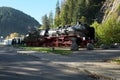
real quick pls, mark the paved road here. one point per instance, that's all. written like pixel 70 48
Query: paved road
pixel 14 66
pixel 93 61
pixel 97 55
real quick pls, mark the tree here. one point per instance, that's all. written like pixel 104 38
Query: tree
pixel 12 35
pixel 57 13
pixel 83 20
pixel 72 11
pixel 50 18
pixel 64 15
pixel 45 22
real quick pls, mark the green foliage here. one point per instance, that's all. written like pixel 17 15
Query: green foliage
pixel 112 30
pixel 83 20
pixel 109 31
pixel 12 20
pixel 50 18
pixel 45 21
pixel 116 60
pixel 57 8
pixel 72 11
pixel 118 7
pixel 64 15
pixel 97 27
pixel 57 15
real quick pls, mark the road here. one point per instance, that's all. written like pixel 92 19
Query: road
pixel 14 66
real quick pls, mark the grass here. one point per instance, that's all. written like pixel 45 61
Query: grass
pixel 49 50
pixel 116 61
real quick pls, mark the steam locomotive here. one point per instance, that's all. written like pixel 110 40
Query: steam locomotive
pixel 61 36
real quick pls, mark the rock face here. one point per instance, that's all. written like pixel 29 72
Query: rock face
pixel 109 8
pixel 12 20
pixel 104 46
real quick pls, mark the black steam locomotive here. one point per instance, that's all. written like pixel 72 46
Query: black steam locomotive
pixel 61 36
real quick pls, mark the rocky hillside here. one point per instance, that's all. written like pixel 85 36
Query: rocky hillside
pixel 12 20
pixel 110 8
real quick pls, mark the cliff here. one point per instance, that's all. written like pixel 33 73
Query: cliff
pixel 109 9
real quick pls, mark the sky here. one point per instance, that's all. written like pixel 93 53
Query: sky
pixel 34 8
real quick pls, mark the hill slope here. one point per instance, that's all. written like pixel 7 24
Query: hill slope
pixel 12 20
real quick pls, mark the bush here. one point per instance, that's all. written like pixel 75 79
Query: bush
pixel 109 31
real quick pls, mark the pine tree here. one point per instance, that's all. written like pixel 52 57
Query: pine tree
pixel 64 15
pixel 71 11
pixel 71 8
pixel 45 21
pixel 57 19
pixel 50 18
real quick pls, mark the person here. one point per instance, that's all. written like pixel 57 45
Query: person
pixel 19 41
pixel 46 31
pixel 13 41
